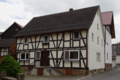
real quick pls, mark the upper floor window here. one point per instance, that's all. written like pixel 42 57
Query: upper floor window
pixel 25 40
pixel 76 35
pixel 107 56
pixel 45 39
pixel 71 55
pixel 98 40
pixel 102 42
pixel 98 56
pixel 38 55
pixel 92 36
pixel 97 26
pixel 24 56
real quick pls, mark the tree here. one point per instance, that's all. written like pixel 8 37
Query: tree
pixel 10 65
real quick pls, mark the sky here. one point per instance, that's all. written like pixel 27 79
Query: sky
pixel 22 11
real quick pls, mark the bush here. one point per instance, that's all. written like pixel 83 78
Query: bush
pixel 10 65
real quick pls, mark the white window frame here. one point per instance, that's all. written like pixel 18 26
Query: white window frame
pixel 27 40
pixel 98 57
pixel 69 55
pixel 78 35
pixel 25 55
pixel 44 39
pixel 39 55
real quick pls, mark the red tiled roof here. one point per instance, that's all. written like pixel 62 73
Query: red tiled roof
pixel 107 17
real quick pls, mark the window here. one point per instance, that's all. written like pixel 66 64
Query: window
pixel 97 26
pixel 38 55
pixel 25 40
pixel 98 57
pixel 98 40
pixel 102 42
pixel 45 39
pixel 76 35
pixel 24 56
pixel 107 56
pixel 71 55
pixel 92 36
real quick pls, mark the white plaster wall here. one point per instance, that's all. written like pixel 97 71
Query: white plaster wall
pixel 108 48
pixel 118 59
pixel 93 47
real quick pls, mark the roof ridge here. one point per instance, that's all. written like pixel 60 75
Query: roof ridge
pixel 66 11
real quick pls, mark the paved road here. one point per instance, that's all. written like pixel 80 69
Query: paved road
pixel 111 75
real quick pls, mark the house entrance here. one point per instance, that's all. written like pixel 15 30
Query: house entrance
pixel 44 58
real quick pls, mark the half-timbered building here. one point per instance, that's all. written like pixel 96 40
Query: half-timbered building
pixel 108 25
pixel 71 42
pixel 7 42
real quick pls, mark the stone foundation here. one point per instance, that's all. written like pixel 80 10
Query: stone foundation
pixel 95 71
pixel 108 66
pixel 79 72
pixel 24 69
pixel 60 71
pixel 74 72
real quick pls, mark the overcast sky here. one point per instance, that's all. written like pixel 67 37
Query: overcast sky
pixel 22 11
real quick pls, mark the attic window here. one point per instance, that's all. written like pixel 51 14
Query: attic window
pixel 25 40
pixel 16 29
pixel 45 39
pixel 76 35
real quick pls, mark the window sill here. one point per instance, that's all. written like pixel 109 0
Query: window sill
pixel 25 43
pixel 24 59
pixel 70 60
pixel 98 60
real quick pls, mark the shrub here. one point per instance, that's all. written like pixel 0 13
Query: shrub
pixel 10 65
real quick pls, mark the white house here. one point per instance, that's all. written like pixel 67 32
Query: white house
pixel 116 49
pixel 71 42
pixel 108 24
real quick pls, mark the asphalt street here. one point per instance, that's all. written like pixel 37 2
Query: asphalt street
pixel 110 75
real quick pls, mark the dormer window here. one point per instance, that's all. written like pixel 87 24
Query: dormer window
pixel 76 35
pixel 25 40
pixel 45 39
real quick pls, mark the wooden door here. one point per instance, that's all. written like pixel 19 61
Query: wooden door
pixel 44 58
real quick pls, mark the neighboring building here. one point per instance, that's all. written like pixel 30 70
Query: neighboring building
pixel 113 59
pixel 7 42
pixel 116 49
pixel 70 42
pixel 109 32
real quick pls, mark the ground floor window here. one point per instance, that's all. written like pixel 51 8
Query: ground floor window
pixel 24 56
pixel 38 55
pixel 98 57
pixel 71 55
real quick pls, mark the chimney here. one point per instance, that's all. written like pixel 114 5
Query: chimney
pixel 71 9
